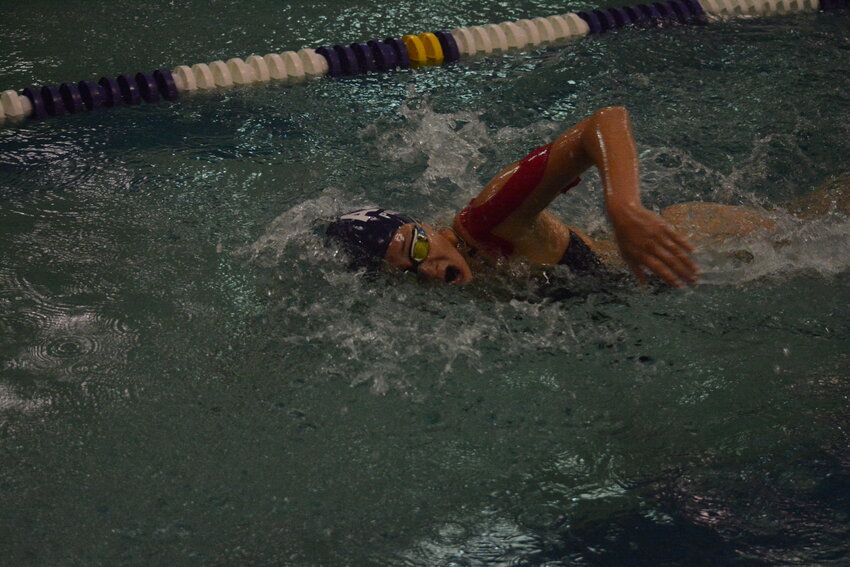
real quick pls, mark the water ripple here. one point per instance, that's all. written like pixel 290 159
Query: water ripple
pixel 60 337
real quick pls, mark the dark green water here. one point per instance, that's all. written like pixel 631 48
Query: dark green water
pixel 188 377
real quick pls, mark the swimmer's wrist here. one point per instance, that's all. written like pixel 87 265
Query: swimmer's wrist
pixel 622 209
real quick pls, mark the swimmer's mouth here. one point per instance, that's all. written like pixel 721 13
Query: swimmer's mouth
pixel 452 274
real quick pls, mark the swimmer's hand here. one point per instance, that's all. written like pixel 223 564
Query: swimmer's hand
pixel 647 242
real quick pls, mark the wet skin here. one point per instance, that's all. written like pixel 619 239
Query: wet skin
pixel 643 242
pixel 445 263
pixel 706 224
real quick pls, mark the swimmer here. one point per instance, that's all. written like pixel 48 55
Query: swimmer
pixel 508 220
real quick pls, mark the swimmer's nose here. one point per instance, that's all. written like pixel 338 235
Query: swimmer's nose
pixel 452 274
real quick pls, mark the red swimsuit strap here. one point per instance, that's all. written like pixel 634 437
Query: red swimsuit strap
pixel 479 221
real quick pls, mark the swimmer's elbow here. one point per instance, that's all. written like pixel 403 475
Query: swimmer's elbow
pixel 610 124
pixel 611 112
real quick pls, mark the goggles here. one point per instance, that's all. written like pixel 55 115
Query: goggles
pixel 420 247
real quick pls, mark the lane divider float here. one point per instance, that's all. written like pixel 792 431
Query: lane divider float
pixel 378 56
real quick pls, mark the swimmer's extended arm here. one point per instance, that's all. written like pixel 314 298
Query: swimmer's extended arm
pixel 645 240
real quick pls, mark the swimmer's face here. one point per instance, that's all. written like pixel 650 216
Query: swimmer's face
pixel 443 262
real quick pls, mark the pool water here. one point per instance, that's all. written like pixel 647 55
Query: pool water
pixel 188 376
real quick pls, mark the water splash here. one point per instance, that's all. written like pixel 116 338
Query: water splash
pixel 295 230
pixel 796 246
pixel 454 150
pixel 368 328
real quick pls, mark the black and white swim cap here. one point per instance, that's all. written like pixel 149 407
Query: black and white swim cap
pixel 365 234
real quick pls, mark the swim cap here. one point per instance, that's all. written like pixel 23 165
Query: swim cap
pixel 365 234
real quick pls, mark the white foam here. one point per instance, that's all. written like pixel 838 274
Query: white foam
pixel 295 226
pixel 452 147
pixel 820 245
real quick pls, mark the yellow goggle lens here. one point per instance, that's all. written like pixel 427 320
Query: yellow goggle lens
pixel 420 247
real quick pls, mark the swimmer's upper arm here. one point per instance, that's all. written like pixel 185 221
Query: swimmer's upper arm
pixel 604 140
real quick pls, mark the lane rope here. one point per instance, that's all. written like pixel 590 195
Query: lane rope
pixel 378 56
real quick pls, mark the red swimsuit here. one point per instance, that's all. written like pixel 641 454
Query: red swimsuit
pixel 479 221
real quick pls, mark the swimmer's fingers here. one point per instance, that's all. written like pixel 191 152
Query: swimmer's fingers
pixel 667 260
pixel 660 269
pixel 675 261
pixel 673 251
pixel 648 243
pixel 680 240
pixel 677 256
pixel 637 270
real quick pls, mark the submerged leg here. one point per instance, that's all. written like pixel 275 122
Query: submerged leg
pixel 833 194
pixel 712 222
